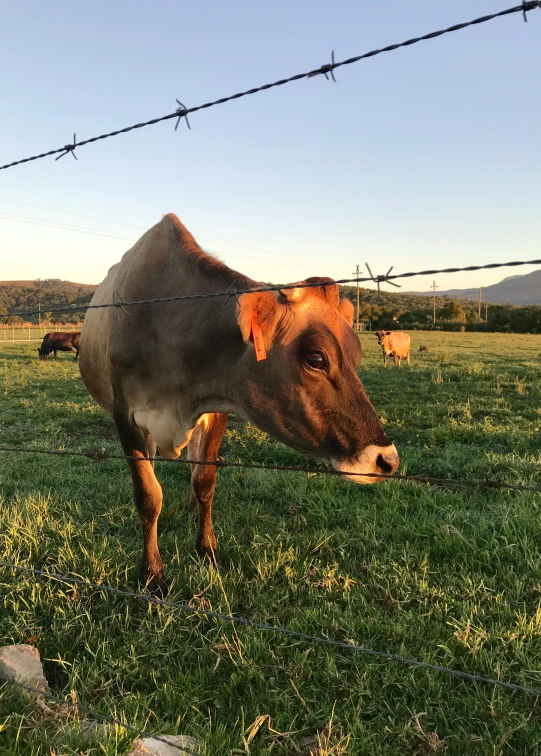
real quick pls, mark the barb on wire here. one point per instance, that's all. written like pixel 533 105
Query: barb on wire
pixel 529 5
pixel 248 622
pixel 382 279
pixel 254 290
pixel 101 455
pixel 69 148
pixel 329 68
pixel 182 112
pixel 106 718
pixel 119 303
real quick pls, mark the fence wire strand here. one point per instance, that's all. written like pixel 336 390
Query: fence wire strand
pixel 100 455
pixel 526 6
pixel 96 715
pixel 278 287
pixel 248 622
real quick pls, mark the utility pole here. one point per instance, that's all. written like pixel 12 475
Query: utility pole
pixel 480 301
pixel 39 317
pixel 356 274
pixel 434 287
pixel 486 312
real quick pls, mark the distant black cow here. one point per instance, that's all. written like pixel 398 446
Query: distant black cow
pixel 58 341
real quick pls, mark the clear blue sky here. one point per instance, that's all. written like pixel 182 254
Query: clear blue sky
pixel 428 156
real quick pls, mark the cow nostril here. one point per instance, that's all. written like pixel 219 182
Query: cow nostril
pixel 388 463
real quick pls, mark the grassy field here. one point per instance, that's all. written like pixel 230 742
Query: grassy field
pixel 449 577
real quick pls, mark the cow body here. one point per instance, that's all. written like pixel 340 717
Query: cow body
pixel 169 373
pixel 395 344
pixel 58 341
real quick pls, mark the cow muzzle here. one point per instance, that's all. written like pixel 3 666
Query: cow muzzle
pixel 367 467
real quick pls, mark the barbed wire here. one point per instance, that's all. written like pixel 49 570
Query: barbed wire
pixel 100 455
pixel 278 287
pixel 183 112
pixel 106 718
pixel 248 622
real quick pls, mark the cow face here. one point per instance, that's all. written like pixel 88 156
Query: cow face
pixel 43 355
pixel 307 392
pixel 382 337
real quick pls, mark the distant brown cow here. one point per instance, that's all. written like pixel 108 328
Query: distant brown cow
pixel 395 344
pixel 58 341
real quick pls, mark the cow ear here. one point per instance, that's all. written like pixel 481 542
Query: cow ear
pixel 388 333
pixel 264 307
pixel 346 310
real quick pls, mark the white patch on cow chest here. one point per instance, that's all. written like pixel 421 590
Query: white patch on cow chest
pixel 167 429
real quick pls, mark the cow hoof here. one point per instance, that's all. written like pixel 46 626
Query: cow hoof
pixel 212 556
pixel 155 584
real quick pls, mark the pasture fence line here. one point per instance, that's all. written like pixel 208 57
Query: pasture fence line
pixel 248 622
pixel 96 715
pixel 100 455
pixel 387 277
pixel 29 332
pixel 328 68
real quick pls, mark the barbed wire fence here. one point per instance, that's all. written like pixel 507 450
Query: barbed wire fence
pixel 328 68
pixel 120 303
pixel 248 622
pixel 182 112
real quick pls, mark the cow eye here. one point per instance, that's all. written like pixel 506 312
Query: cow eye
pixel 316 361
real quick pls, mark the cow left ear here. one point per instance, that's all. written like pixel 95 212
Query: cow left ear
pixel 346 310
pixel 263 307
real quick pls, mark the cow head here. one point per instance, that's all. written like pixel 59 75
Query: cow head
pixel 383 337
pixel 307 392
pixel 43 355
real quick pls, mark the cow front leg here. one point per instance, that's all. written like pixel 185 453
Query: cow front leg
pixel 204 447
pixel 384 360
pixel 147 494
pixel 55 355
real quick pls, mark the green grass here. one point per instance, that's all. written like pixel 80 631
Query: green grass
pixel 449 577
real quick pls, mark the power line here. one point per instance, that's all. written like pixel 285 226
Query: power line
pixel 67 212
pixel 183 112
pixel 248 622
pixel 118 235
pixel 300 285
pixel 65 226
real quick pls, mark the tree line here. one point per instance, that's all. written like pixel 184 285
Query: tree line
pixel 392 310
pixel 45 295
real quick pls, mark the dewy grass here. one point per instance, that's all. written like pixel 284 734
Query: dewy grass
pixel 450 577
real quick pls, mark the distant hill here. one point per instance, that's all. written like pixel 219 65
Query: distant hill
pixel 517 290
pixel 39 284
pixel 47 294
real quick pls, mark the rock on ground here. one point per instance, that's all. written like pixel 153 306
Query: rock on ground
pixel 22 664
pixel 154 747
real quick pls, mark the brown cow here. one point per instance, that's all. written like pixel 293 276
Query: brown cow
pixel 59 341
pixel 395 344
pixel 169 374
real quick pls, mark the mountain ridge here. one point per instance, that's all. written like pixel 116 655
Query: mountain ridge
pixel 516 290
